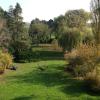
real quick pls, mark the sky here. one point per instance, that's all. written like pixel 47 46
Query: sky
pixel 45 9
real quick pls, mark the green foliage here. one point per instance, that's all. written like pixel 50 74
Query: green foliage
pixel 69 39
pixel 20 40
pixel 59 25
pixel 87 35
pixel 1 12
pixel 93 78
pixel 5 37
pixel 77 18
pixel 72 19
pixel 39 32
pixel 95 10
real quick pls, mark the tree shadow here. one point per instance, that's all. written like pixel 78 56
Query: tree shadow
pixel 74 87
pixel 41 55
pixel 54 76
pixel 24 98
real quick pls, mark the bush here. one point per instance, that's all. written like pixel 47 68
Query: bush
pixel 92 81
pixel 5 61
pixel 24 56
pixel 2 69
pixel 82 60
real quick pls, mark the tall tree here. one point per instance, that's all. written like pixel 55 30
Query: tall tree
pixel 69 39
pixel 4 33
pixel 59 25
pixel 95 9
pixel 20 37
pixel 71 19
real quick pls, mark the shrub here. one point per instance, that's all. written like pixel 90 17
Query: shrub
pixel 82 60
pixel 92 81
pixel 2 70
pixel 24 56
pixel 5 61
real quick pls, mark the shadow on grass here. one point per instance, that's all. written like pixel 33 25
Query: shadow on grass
pixel 40 55
pixel 54 76
pixel 24 98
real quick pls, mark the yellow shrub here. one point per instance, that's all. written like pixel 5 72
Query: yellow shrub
pixel 5 60
pixel 70 55
pixel 87 51
pixel 93 81
pixel 84 59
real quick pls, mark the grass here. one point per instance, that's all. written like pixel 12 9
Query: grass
pixel 28 82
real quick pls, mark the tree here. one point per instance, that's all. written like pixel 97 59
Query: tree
pixel 1 12
pixel 4 33
pixel 69 39
pixel 19 34
pixel 50 24
pixel 39 31
pixel 77 18
pixel 2 21
pixel 59 25
pixel 5 38
pixel 10 20
pixel 72 19
pixel 87 36
pixel 17 12
pixel 69 28
pixel 95 9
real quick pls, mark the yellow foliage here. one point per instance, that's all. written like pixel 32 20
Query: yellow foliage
pixel 55 45
pixel 5 60
pixel 86 51
pixel 85 58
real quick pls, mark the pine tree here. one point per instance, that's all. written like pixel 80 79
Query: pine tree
pixel 20 37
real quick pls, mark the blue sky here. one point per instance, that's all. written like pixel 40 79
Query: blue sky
pixel 45 9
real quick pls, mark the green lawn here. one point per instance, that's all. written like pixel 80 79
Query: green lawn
pixel 28 82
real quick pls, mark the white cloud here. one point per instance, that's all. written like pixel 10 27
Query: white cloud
pixel 48 9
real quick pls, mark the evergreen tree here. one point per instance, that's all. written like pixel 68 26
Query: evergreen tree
pixel 20 38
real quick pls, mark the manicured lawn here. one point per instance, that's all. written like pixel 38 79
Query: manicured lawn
pixel 29 82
